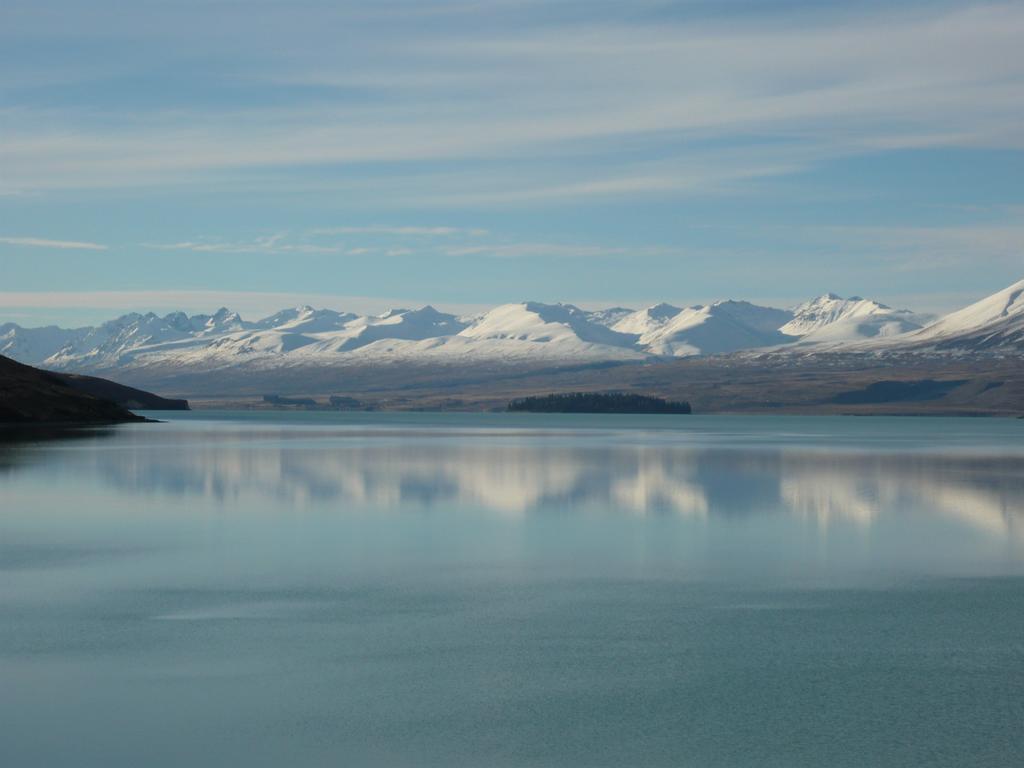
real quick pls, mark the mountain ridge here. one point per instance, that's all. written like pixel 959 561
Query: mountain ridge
pixel 515 333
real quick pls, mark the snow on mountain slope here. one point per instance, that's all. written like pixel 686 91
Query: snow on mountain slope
pixel 646 321
pixel 544 323
pixel 831 318
pixel 405 324
pixel 272 342
pixel 33 345
pixel 118 340
pixel 992 324
pixel 305 319
pixel 518 332
pixel 609 317
pixel 221 321
pixel 465 350
pixel 722 327
pixel 115 342
pixel 303 336
pixel 512 332
pixel 278 334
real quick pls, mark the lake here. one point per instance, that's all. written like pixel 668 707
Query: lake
pixel 314 589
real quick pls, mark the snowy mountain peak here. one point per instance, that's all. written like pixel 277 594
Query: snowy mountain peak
pixel 718 328
pixel 221 321
pixel 1002 304
pixel 222 317
pixel 306 319
pixel 831 318
pixel 179 321
pixel 996 322
pixel 610 316
pixel 536 322
pixel 765 317
pixel 427 312
pixel 395 324
pixel 663 310
pixel 423 316
pixel 645 321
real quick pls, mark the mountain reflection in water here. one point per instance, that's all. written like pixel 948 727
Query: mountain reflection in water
pixel 522 472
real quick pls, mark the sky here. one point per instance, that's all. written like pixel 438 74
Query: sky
pixel 260 154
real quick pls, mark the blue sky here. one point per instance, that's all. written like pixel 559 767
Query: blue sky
pixel 357 155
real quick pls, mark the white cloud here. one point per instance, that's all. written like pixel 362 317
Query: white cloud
pixel 39 242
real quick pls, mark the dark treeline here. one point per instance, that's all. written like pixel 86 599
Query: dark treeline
pixel 593 402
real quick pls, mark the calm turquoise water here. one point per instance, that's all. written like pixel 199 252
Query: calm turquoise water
pixel 514 590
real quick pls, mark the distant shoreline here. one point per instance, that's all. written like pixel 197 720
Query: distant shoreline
pixel 234 405
pixel 741 386
pixel 598 402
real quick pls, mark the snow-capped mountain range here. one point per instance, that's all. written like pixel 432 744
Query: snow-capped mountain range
pixel 515 333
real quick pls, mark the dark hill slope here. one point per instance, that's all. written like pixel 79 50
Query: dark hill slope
pixel 31 396
pixel 126 397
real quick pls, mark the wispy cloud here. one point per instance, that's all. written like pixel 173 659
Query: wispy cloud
pixel 554 250
pixel 394 242
pixel 64 245
pixel 542 105
pixel 273 244
pixel 716 173
pixel 399 231
pixel 283 243
pixel 912 248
